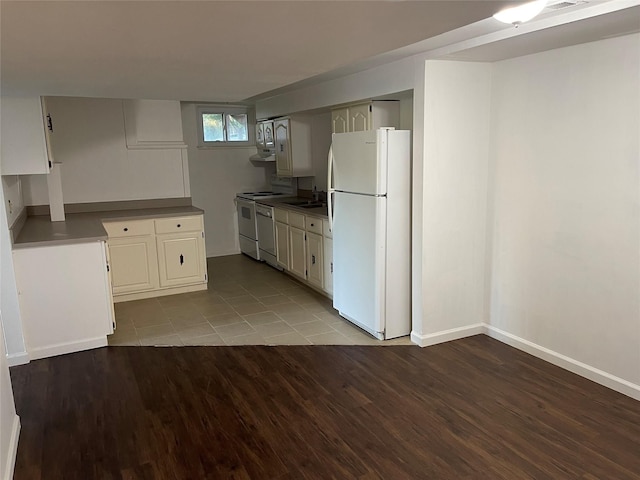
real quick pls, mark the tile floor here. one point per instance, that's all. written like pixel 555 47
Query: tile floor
pixel 247 303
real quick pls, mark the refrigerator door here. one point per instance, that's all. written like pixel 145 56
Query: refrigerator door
pixel 359 245
pixel 360 162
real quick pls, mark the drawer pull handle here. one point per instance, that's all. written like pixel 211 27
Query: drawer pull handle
pixel 181 259
pixel 179 225
pixel 126 229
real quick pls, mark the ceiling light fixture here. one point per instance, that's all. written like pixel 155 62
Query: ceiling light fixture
pixel 521 13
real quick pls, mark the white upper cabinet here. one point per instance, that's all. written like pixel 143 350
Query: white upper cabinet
pixel 366 116
pixel 25 147
pixel 264 134
pixel 260 135
pixel 340 120
pixel 153 123
pixel 293 146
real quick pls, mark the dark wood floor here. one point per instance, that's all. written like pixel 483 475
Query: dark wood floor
pixel 470 409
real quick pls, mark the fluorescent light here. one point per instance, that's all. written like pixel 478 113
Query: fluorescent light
pixel 521 13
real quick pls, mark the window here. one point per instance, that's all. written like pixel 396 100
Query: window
pixel 223 126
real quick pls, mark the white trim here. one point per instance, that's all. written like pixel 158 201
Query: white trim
pixel 62 348
pixel 21 358
pixel 447 335
pixel 12 449
pixel 603 378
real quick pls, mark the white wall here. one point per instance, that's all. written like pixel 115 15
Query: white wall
pixel 216 175
pixel 13 201
pixel 9 303
pixel 455 160
pixel 9 421
pixel 320 143
pixel 566 229
pixel 390 78
pixel 89 140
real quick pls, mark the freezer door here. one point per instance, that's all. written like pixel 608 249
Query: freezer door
pixel 360 162
pixel 359 245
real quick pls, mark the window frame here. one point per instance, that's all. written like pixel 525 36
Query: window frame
pixel 225 110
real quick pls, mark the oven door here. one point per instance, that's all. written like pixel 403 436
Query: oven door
pixel 247 218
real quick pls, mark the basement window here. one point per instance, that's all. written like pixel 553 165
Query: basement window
pixel 223 126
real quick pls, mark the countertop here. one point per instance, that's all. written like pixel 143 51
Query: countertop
pixel 39 230
pixel 321 212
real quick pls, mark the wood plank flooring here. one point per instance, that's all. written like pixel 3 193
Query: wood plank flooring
pixel 470 409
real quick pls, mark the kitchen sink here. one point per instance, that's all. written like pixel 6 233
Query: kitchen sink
pixel 304 203
pixel 312 205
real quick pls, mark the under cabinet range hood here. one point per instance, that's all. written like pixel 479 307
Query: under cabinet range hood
pixel 263 156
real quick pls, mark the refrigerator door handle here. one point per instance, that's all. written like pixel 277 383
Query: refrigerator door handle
pixel 330 189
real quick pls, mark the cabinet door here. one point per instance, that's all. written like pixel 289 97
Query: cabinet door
pixel 282 245
pixel 328 265
pixel 24 148
pixel 340 120
pixel 360 117
pixel 260 135
pixel 297 252
pixel 134 264
pixel 284 166
pixel 181 259
pixel 268 134
pixel 315 265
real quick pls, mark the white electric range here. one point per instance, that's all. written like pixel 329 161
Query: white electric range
pixel 248 221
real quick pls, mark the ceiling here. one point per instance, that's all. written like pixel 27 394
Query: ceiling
pixel 225 51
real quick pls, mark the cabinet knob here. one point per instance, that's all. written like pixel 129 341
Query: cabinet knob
pixel 179 225
pixel 125 229
pixel 312 224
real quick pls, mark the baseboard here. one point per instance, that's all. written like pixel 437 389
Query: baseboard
pixel 12 449
pixel 162 292
pixel 603 378
pixel 235 251
pixel 62 348
pixel 447 335
pixel 14 359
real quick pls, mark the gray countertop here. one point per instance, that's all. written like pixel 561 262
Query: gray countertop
pixel 321 212
pixel 39 230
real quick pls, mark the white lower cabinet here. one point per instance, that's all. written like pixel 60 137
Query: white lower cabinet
pixel 297 252
pixel 282 244
pixel 154 257
pixel 328 265
pixel 65 297
pixel 134 264
pixel 180 259
pixel 301 248
pixel 315 265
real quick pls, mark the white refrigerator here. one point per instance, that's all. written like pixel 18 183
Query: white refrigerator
pixel 370 212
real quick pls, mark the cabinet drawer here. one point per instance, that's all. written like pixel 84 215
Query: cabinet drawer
pixel 281 215
pixel 179 224
pixel 296 220
pixel 326 230
pixel 314 225
pixel 131 228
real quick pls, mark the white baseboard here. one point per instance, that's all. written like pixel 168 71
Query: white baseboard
pixel 62 348
pixel 447 335
pixel 603 378
pixel 21 358
pixel 12 449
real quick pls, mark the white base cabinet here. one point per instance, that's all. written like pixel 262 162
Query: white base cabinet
pixel 297 252
pixel 301 248
pixel 65 298
pixel 154 257
pixel 180 259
